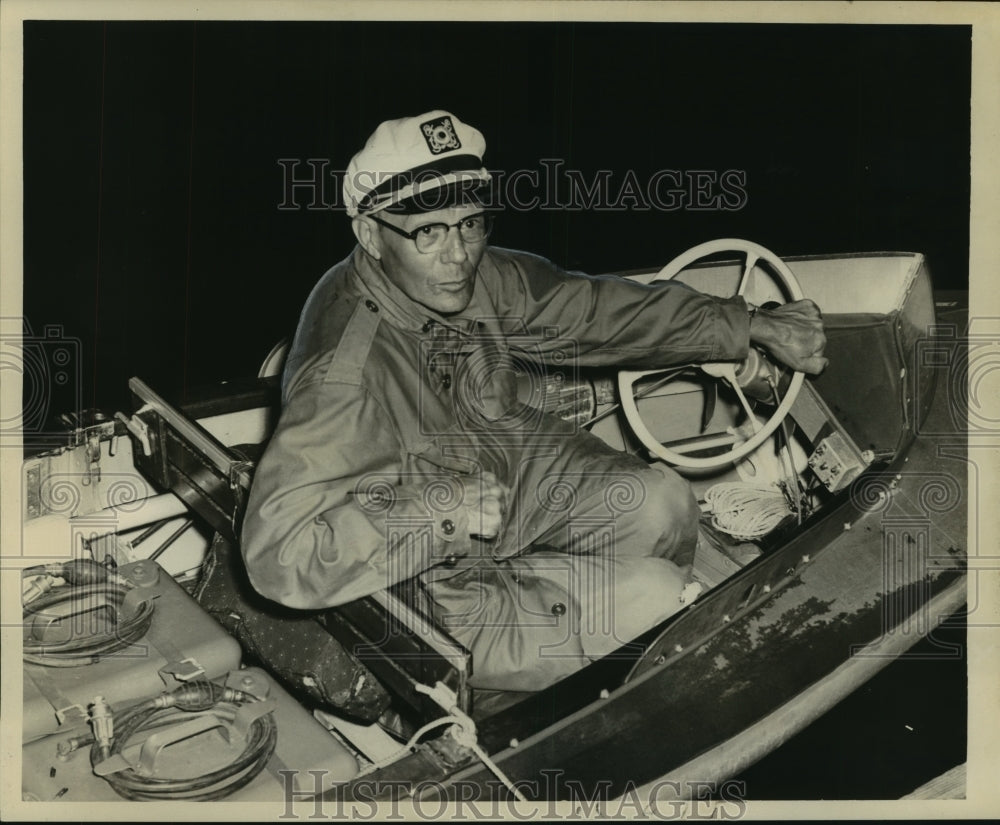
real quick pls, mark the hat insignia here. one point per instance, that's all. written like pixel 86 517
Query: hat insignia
pixel 440 135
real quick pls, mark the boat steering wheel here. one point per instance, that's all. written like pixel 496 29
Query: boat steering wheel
pixel 626 379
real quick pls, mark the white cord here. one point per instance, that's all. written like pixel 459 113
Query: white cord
pixel 393 757
pixel 464 733
pixel 499 774
pixel 745 511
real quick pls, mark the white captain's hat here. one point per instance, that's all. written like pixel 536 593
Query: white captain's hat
pixel 416 164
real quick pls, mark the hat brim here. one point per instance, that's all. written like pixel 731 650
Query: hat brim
pixel 443 192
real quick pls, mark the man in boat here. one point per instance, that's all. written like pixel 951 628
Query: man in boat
pixel 402 449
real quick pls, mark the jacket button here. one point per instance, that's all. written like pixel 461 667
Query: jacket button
pixel 446 381
pixel 448 526
pixel 558 609
pixel 451 560
pixel 372 306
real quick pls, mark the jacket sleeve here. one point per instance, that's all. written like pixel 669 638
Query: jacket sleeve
pixel 327 520
pixel 612 321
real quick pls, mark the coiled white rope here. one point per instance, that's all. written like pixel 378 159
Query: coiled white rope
pixel 745 511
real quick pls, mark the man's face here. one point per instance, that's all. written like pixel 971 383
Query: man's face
pixel 442 280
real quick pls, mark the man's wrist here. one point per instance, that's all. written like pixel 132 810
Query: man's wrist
pixel 761 329
pixel 753 321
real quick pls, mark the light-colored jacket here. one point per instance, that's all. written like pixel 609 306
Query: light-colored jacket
pixel 385 402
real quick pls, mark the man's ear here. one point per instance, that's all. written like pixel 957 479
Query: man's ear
pixel 365 230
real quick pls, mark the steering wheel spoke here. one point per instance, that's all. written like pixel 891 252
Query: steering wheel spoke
pixel 752 259
pixel 686 446
pixel 678 452
pixel 632 378
pixel 751 418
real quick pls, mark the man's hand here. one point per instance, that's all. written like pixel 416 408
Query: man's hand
pixel 792 333
pixel 486 503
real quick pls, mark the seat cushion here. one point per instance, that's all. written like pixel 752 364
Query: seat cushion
pixel 289 643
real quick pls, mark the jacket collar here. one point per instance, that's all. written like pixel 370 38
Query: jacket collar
pixel 401 310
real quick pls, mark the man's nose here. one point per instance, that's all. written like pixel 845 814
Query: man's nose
pixel 454 247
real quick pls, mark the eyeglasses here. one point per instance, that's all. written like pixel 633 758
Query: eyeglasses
pixel 431 237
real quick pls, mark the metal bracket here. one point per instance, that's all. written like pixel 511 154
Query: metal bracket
pixel 247 715
pixel 93 475
pixel 184 670
pixel 101 431
pixel 138 428
pixel 71 715
pixel 141 757
pixel 239 474
pixel 134 599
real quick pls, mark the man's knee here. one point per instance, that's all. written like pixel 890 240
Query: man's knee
pixel 666 523
pixel 673 496
pixel 641 593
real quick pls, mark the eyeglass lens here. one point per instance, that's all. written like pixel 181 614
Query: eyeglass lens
pixel 472 230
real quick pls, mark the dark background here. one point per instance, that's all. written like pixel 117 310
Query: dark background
pixel 153 238
pixel 152 183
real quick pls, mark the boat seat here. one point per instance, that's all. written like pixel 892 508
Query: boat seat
pixel 383 633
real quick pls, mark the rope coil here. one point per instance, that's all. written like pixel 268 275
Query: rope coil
pixel 745 511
